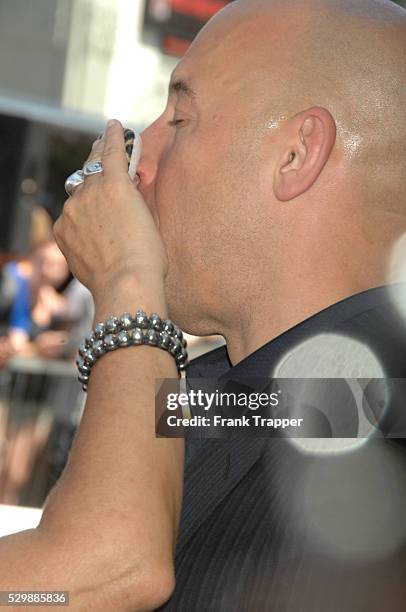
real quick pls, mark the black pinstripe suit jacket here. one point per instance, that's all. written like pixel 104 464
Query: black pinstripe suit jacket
pixel 266 527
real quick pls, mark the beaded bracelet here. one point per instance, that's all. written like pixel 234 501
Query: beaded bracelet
pixel 126 330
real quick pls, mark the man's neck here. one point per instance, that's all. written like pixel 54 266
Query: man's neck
pixel 286 308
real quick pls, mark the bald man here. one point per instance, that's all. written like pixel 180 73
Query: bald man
pixel 269 209
pixel 298 127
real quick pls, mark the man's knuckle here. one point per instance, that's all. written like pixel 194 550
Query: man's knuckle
pixel 110 150
pixel 58 232
pixel 56 228
pixel 97 145
pixel 68 209
pixel 93 186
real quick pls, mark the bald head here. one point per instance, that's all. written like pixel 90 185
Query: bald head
pixel 343 55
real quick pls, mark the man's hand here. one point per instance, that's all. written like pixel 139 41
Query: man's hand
pixel 106 231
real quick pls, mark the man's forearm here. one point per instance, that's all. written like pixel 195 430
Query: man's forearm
pixel 116 507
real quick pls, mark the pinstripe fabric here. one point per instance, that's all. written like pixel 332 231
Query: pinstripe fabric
pixel 248 537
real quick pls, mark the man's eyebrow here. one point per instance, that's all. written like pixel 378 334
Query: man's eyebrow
pixel 180 85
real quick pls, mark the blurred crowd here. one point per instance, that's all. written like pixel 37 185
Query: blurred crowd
pixel 44 315
pixel 44 311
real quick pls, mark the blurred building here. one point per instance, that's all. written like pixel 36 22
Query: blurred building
pixel 66 66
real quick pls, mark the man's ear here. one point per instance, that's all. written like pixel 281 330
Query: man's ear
pixel 313 134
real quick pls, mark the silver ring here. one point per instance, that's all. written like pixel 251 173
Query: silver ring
pixel 92 167
pixel 73 181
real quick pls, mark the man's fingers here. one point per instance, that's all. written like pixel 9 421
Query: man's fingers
pixel 110 150
pixel 96 154
pixel 114 156
pixel 96 150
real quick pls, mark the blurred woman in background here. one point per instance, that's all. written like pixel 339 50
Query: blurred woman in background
pixel 28 320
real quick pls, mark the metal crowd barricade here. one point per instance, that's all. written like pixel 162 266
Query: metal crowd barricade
pixel 41 403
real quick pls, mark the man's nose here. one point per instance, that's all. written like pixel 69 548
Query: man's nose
pixel 151 152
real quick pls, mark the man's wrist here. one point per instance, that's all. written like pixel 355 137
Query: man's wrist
pixel 129 294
